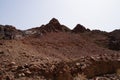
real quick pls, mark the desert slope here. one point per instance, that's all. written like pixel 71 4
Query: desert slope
pixel 53 49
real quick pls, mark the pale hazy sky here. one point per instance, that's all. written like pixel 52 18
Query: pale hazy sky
pixel 94 14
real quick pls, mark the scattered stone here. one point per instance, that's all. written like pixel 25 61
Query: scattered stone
pixel 77 64
pixel 52 67
pixel 20 67
pixel 14 68
pixel 12 63
pixel 8 78
pixel 27 73
pixel 1 52
pixel 34 67
pixel 26 66
pixel 118 59
pixel 106 77
pixel 93 58
pixel 1 43
pixel 21 75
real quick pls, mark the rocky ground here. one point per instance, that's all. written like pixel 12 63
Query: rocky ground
pixel 54 52
pixel 90 66
pixel 107 77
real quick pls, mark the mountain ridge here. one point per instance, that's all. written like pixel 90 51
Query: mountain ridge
pixel 112 40
pixel 53 26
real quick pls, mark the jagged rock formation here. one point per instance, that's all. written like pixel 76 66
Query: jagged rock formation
pixel 55 26
pixel 52 26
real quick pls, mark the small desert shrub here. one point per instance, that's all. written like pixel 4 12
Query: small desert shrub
pixel 80 77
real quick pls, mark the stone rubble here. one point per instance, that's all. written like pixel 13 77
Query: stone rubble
pixel 86 65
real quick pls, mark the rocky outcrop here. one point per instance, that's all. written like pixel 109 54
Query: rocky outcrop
pixel 9 32
pixel 114 43
pixel 115 34
pixel 114 40
pixel 103 64
pixel 55 26
pixel 79 29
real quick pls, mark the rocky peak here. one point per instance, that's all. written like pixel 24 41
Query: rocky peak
pixel 79 29
pixel 54 26
pixel 54 21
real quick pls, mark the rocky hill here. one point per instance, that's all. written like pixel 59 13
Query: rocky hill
pixel 52 26
pixel 55 52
